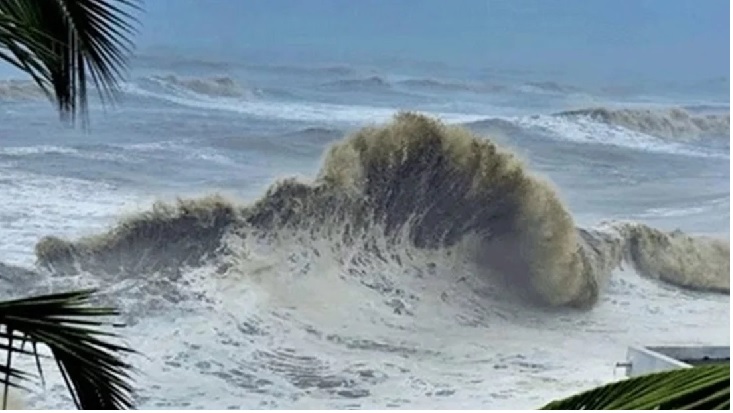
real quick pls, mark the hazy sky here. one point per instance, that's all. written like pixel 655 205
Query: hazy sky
pixel 666 39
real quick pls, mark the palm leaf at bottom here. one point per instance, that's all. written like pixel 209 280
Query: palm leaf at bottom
pixel 697 388
pixel 91 365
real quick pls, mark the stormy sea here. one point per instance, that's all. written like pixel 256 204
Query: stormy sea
pixel 323 235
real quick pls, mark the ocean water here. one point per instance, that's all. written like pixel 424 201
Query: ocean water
pixel 268 252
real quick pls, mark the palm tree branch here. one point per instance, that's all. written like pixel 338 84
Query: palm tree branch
pixel 702 387
pixel 92 367
pixel 65 44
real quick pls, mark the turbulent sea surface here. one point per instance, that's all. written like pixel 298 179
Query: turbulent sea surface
pixel 342 236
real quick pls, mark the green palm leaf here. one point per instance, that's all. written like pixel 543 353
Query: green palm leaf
pixel 65 44
pixel 697 388
pixel 91 366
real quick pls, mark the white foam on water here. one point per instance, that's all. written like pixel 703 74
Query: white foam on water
pixel 278 338
pixel 39 150
pixel 699 208
pixel 35 205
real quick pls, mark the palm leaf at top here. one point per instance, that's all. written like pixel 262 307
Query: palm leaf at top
pixel 64 44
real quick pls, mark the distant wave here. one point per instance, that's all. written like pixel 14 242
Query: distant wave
pixel 694 262
pixel 707 108
pixel 675 123
pixel 89 152
pixel 584 130
pixel 37 150
pixel 306 70
pixel 377 83
pixel 315 133
pixel 290 110
pixel 552 87
pixel 498 124
pixel 433 84
pixel 14 89
pixel 127 153
pixel 303 141
pixel 369 83
pixel 412 185
pixel 175 61
pixel 221 86
pixel 449 86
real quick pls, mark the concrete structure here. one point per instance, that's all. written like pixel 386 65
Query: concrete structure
pixel 644 360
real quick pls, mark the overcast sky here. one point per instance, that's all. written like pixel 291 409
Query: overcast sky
pixel 666 39
pixel 663 40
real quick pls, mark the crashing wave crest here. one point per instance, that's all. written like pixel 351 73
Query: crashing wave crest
pixel 413 183
pixel 675 123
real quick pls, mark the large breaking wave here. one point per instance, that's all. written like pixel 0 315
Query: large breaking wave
pixel 414 184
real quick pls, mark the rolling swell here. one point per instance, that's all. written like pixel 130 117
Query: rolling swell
pixel 675 123
pixel 414 181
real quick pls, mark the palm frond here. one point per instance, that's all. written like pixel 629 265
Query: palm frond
pixel 65 44
pixel 698 388
pixel 16 40
pixel 91 366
